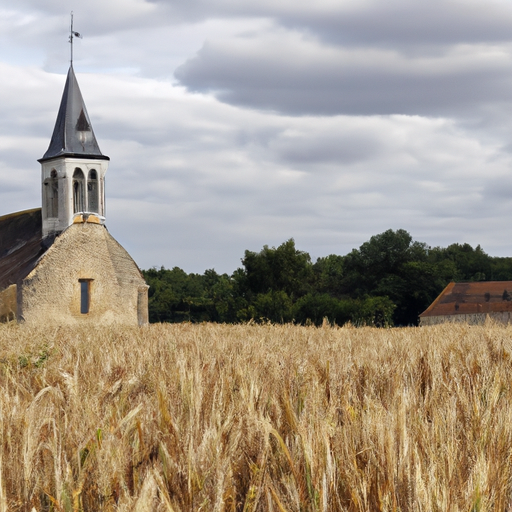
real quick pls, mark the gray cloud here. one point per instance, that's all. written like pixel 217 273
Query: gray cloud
pixel 302 77
pixel 395 21
pixel 409 27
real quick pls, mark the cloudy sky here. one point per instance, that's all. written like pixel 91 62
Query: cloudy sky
pixel 231 124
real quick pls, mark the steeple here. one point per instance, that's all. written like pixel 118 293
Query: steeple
pixel 73 168
pixel 73 134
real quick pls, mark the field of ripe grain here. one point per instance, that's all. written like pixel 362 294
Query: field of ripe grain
pixel 255 418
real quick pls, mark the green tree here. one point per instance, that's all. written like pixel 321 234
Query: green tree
pixel 283 269
pixel 501 269
pixel 374 312
pixel 313 308
pixel 275 305
pixel 220 292
pixel 329 275
pixel 392 265
pixel 471 264
pixel 175 296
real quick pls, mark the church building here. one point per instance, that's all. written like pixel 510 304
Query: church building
pixel 59 263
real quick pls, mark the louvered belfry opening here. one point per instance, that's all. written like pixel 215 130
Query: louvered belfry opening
pixel 93 192
pixel 78 191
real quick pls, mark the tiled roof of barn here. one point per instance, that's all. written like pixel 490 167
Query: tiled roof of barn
pixel 20 245
pixel 73 134
pixel 470 298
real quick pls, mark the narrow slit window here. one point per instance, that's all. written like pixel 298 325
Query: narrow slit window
pixel 92 192
pixel 85 295
pixel 78 191
pixel 52 195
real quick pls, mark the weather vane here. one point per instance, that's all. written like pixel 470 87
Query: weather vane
pixel 72 35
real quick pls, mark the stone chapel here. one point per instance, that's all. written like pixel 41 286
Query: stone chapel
pixel 59 263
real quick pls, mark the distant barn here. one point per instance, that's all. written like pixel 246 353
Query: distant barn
pixel 472 303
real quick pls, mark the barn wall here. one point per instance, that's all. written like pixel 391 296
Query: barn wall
pixel 8 305
pixel 84 251
pixel 471 319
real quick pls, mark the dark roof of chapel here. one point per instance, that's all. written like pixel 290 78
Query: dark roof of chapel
pixel 470 298
pixel 20 245
pixel 73 135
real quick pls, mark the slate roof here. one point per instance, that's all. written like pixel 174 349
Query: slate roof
pixel 73 135
pixel 470 298
pixel 20 245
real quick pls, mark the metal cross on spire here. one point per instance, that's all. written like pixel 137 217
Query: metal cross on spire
pixel 72 35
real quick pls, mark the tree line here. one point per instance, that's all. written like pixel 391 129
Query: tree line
pixel 388 281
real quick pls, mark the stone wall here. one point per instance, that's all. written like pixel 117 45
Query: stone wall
pixel 83 252
pixel 8 304
pixel 471 319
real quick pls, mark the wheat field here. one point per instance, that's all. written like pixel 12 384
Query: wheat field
pixel 212 417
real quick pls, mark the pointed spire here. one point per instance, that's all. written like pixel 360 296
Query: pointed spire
pixel 73 134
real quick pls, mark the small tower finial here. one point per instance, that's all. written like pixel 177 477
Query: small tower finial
pixel 72 35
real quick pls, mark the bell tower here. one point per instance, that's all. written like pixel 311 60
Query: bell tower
pixel 73 168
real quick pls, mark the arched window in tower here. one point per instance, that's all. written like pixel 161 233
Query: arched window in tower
pixel 51 188
pixel 92 192
pixel 78 191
